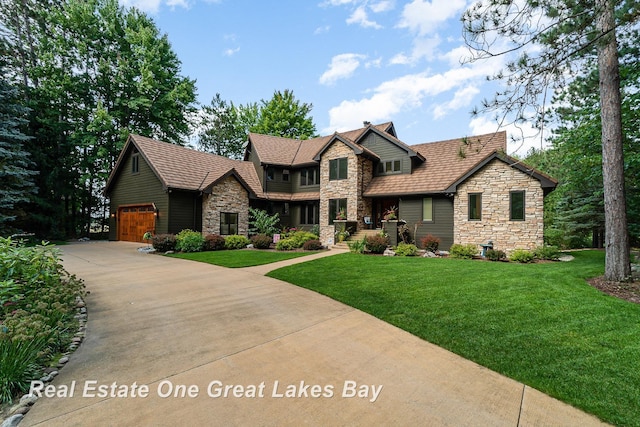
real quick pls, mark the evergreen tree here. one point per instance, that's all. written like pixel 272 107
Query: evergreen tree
pixel 283 115
pixel 16 176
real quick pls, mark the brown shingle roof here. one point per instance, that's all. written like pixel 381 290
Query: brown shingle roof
pixel 187 169
pixel 445 164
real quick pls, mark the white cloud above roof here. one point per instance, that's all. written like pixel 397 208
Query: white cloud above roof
pixel 342 66
pixel 360 17
pixel 424 17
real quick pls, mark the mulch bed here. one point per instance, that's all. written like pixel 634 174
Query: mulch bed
pixel 629 291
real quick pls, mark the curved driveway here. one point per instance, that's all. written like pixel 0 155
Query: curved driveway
pixel 167 338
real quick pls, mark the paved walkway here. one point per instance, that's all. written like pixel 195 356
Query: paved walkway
pixel 192 333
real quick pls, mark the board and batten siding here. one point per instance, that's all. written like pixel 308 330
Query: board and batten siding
pixel 410 210
pixel 185 211
pixel 141 188
pixel 387 151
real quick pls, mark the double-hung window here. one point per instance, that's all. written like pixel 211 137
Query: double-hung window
pixel 228 223
pixel 338 168
pixel 335 206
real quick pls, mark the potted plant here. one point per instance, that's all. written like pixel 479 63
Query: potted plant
pixel 341 215
pixel 147 236
pixel 390 214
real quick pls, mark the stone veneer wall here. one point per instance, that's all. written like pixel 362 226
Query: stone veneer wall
pixel 350 188
pixel 495 181
pixel 227 196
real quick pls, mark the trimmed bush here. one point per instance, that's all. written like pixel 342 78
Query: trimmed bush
pixel 236 241
pixel 189 241
pixel 430 243
pixel 550 253
pixel 467 251
pixel 261 241
pixel 496 255
pixel 295 240
pixel 164 242
pixel 213 242
pixel 406 249
pixel 521 255
pixel 312 245
pixel 377 244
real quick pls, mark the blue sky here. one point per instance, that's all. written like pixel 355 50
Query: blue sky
pixel 354 60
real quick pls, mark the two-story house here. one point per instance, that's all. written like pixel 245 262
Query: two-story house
pixel 462 190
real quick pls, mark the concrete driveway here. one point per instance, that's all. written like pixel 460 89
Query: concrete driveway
pixel 173 342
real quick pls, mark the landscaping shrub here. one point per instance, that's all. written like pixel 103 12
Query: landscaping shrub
pixel 551 253
pixel 164 242
pixel 189 241
pixel 467 251
pixel 377 244
pixel 236 241
pixel 357 246
pixel 260 222
pixel 312 245
pixel 295 240
pixel 521 255
pixel 37 307
pixel 213 242
pixel 261 241
pixel 430 243
pixel 496 255
pixel 406 249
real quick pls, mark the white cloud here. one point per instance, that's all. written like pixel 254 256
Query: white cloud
pixel 422 48
pixel 337 2
pixel 360 17
pixel 462 98
pixel 342 66
pixel 520 138
pixel 423 17
pixel 382 6
pixel 321 30
pixel 231 52
pixel 152 6
pixel 401 94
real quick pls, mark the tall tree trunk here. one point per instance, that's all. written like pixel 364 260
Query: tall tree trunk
pixel 617 259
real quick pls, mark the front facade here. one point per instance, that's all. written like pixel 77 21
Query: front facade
pixel 461 191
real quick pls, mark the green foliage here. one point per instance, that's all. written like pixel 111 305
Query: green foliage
pixel 261 241
pixel 37 308
pixel 406 249
pixel 93 72
pixel 260 222
pixel 550 253
pixel 467 251
pixel 16 176
pixel 220 130
pixel 295 240
pixel 283 115
pixel 189 241
pixel 377 244
pixel 358 246
pixel 315 229
pixel 312 245
pixel 521 255
pixel 164 242
pixel 19 364
pixel 430 243
pixel 236 241
pixel 496 255
pixel 213 242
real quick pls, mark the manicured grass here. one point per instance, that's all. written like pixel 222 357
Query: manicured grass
pixel 540 324
pixel 241 258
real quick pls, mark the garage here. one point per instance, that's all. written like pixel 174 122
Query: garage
pixel 134 221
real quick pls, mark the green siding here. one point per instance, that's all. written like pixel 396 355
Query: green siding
pixel 410 210
pixel 387 151
pixel 140 188
pixel 295 183
pixel 277 184
pixel 185 211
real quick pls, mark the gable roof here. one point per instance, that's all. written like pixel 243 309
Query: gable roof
pixel 279 151
pixel 448 163
pixel 184 168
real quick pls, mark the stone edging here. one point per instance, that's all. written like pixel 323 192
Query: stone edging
pixel 18 411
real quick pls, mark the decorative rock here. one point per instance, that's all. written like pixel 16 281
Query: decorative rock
pixel 443 253
pixel 12 421
pixel 429 254
pixel 389 252
pixel 28 399
pixel 46 378
pixel 21 410
pixel 170 252
pixel 566 258
pixel 80 304
pixel 63 360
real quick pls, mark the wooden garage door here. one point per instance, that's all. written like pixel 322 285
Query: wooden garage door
pixel 134 221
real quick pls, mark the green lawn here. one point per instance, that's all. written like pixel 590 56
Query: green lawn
pixel 540 324
pixel 240 258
